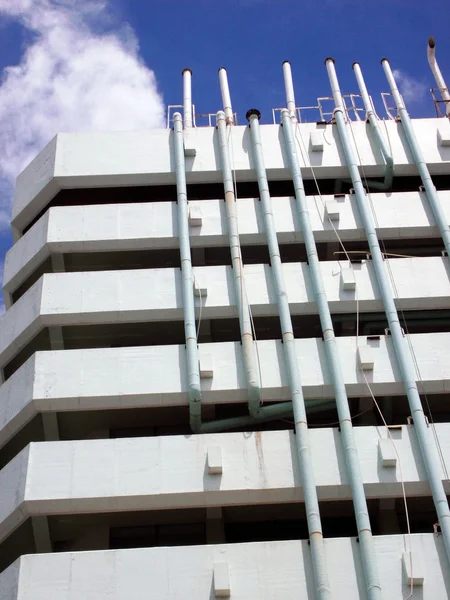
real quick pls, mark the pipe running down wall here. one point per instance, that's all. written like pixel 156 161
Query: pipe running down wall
pixel 265 413
pixel 192 357
pixel 253 384
pixel 368 556
pixel 379 139
pixel 414 147
pixel 405 362
pixel 320 571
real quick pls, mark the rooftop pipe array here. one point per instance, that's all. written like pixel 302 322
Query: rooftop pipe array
pixel 298 406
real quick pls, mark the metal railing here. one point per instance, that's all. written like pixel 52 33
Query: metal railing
pixel 439 102
pixel 210 118
pixel 352 108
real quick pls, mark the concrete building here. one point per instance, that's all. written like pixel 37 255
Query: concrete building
pixel 213 390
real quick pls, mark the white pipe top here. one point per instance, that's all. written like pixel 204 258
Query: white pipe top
pixel 335 89
pixel 393 85
pixel 363 89
pixel 289 87
pixel 187 98
pixel 226 98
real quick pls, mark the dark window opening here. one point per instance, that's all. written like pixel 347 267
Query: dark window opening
pixel 207 191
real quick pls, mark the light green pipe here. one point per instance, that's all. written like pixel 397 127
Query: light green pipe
pixel 374 124
pixel 192 357
pixel 419 159
pixel 405 362
pixel 266 413
pixel 253 385
pixel 320 571
pixel 368 555
pixel 192 360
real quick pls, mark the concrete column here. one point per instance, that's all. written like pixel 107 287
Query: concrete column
pixel 41 534
pixel 215 528
pixel 387 517
pixel 50 425
pixel 58 265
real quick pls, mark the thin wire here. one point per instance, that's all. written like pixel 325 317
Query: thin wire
pixel 243 289
pixel 364 375
pixel 368 253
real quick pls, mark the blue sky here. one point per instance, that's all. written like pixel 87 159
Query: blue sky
pixel 114 64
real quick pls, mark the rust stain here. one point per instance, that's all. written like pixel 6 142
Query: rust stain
pixel 260 453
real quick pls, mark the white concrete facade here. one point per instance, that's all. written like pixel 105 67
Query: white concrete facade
pixel 57 376
pixel 264 571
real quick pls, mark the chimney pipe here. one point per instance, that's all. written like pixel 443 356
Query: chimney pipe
pixel 289 87
pixel 431 53
pixel 187 98
pixel 226 98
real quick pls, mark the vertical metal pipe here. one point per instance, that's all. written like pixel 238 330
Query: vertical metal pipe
pixel 192 364
pixel 253 384
pixel 289 87
pixel 419 159
pixel 440 82
pixel 226 98
pixel 301 427
pixel 374 124
pixel 345 420
pixel 187 98
pixel 426 442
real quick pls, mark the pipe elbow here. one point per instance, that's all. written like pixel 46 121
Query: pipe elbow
pixel 431 51
pixel 187 70
pixel 355 64
pixel 330 59
pixel 254 398
pixel 383 60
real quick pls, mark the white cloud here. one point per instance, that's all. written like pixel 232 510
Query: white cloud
pixel 80 71
pixel 410 88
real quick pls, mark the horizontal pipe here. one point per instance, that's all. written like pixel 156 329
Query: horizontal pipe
pixel 266 413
